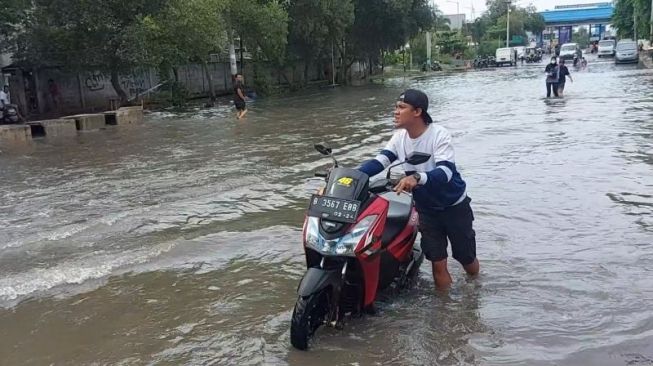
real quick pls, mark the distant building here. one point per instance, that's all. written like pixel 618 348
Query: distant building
pixel 456 21
pixel 564 19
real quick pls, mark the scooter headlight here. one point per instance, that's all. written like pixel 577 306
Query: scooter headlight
pixel 340 246
pixel 312 235
pixel 349 242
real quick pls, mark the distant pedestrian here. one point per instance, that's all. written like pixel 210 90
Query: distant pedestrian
pixel 564 72
pixel 5 101
pixel 55 94
pixel 4 97
pixel 552 75
pixel 239 97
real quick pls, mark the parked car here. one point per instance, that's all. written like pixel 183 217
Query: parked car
pixel 505 56
pixel 607 48
pixel 626 52
pixel 569 50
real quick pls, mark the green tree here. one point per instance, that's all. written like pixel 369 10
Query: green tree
pixel 581 37
pixel 386 25
pixel 104 35
pixel 185 31
pixel 496 9
pixel 315 27
pixel 534 21
pixel 263 27
pixel 450 42
pixel 11 16
pixel 491 26
pixel 622 18
pixel 478 29
pixel 642 9
pixel 625 12
pixel 488 46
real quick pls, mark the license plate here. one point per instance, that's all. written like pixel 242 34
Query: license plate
pixel 334 209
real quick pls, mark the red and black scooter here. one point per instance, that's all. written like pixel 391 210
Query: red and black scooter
pixel 358 239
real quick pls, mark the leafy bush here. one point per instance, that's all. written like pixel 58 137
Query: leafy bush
pixel 393 58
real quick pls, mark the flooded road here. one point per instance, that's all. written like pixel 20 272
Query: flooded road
pixel 178 242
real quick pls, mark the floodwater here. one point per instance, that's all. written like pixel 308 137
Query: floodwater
pixel 178 241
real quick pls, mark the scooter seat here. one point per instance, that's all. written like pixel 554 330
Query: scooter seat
pixel 398 215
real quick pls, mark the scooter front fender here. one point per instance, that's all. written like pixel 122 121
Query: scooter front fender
pixel 316 279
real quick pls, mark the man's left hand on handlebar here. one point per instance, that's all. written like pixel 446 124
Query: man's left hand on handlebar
pixel 406 184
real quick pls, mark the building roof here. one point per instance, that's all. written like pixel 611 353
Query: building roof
pixel 578 15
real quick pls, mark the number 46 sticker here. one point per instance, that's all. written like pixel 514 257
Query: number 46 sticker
pixel 345 181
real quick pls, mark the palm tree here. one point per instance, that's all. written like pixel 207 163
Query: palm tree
pixel 440 22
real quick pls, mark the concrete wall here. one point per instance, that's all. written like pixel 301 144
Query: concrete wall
pixel 15 135
pixel 87 122
pixel 53 128
pixel 93 91
pixel 87 91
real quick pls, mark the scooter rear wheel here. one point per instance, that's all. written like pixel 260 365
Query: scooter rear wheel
pixel 309 314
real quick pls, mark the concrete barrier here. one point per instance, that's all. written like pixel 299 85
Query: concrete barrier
pixel 15 135
pixel 53 128
pixel 85 122
pixel 124 116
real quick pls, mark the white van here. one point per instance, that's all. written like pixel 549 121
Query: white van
pixel 521 51
pixel 607 47
pixel 505 56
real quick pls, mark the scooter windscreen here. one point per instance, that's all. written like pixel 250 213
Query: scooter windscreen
pixel 349 184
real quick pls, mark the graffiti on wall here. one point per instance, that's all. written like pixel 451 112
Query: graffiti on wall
pixel 95 81
pixel 133 84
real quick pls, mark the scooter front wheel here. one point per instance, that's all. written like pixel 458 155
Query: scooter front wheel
pixel 309 314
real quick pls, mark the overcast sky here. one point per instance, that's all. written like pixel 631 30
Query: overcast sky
pixel 449 6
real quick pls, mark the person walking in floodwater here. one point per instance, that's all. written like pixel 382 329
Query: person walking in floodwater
pixel 239 97
pixel 552 76
pixel 440 193
pixel 564 72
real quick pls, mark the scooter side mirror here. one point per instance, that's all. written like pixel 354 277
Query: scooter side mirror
pixel 418 158
pixel 323 149
pixel 415 158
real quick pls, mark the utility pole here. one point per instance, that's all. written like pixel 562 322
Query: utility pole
pixel 651 30
pixel 508 27
pixel 428 49
pixel 635 24
pixel 333 66
pixel 474 13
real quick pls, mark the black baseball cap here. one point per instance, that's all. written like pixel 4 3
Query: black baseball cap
pixel 417 99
